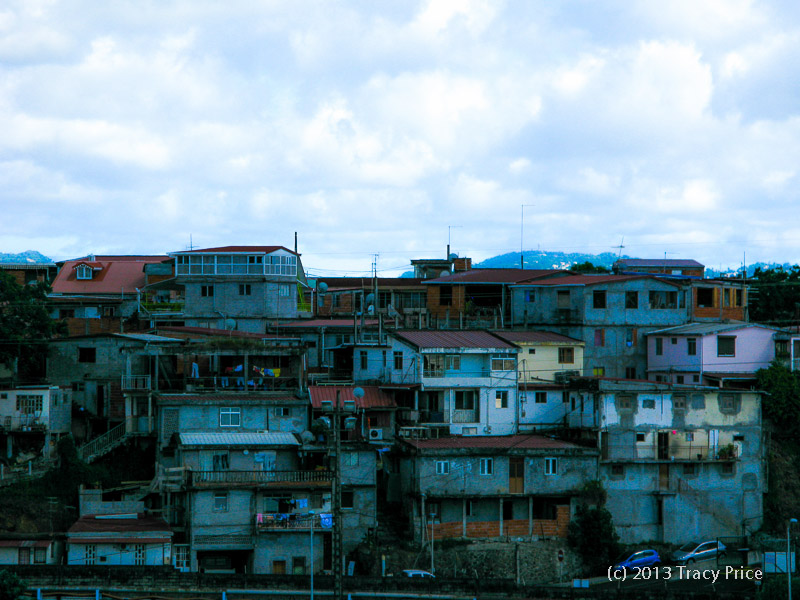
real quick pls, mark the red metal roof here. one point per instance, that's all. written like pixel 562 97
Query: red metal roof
pixel 250 249
pixel 108 524
pixel 374 397
pixel 114 277
pixel 453 339
pixel 506 442
pixel 495 276
pixel 657 262
pixel 325 323
pixel 367 282
pixel 219 332
pixel 25 543
pixel 595 279
pixel 536 336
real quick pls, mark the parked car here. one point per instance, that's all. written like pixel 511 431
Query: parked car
pixel 640 558
pixel 692 552
pixel 417 573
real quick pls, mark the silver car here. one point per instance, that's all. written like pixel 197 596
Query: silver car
pixel 693 552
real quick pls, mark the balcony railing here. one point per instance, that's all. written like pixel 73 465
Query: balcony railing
pixel 163 307
pixel 292 521
pixel 132 383
pixel 211 478
pixel 465 416
pixel 680 452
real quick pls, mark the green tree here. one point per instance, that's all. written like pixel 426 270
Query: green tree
pixel 588 268
pixel 25 326
pixel 781 404
pixel 775 296
pixel 11 586
pixel 592 535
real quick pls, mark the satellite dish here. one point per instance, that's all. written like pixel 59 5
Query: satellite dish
pixel 453 255
pixel 358 392
pixel 371 309
pixel 307 437
pixel 322 287
pixel 444 274
pixel 392 311
pixel 370 299
pixel 230 324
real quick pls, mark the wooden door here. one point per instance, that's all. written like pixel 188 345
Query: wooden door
pixel 516 475
pixel 279 567
pixel 663 477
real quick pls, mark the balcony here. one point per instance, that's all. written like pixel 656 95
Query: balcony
pixel 136 383
pixel 465 416
pixel 258 478
pixel 289 522
pixel 161 308
pixel 674 453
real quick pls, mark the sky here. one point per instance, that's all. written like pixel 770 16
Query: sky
pixel 380 130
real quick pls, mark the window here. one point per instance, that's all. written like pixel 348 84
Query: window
pixel 673 341
pixel 599 299
pixel 487 466
pixel 618 470
pixel 501 399
pixel 530 295
pixel 689 469
pixel 363 360
pixel 29 404
pixel 230 416
pixel 347 499
pixel 285 290
pixel 138 554
pixel 398 361
pixel 90 554
pixel 659 346
pixel 689 436
pixel 220 461
pixel 66 313
pixel 679 402
pixel 39 556
pixel 632 300
pixel 282 411
pixel 698 401
pixel 503 362
pixel 541 397
pixel 624 402
pixel 705 297
pixel 663 300
pixel 630 372
pixel 206 291
pixel 562 299
pixel 739 437
pixel 87 355
pixel 696 378
pixel 469 508
pixel 782 349
pixel 83 272
pixel 727 403
pixel 728 468
pixel 383 357
pixel 550 466
pixel 640 437
pixel 245 289
pixel 726 345
pixel 465 399
pixel 434 510
pixel 350 459
pixel 566 356
pixel 648 403
pixel 599 337
pixel 630 337
pixel 109 311
pixel 599 371
pixel 436 364
pixel 531 350
pixel 691 346
pixel 442 467
pixel 445 295
pixel 565 397
pixel 220 502
pixel 679 378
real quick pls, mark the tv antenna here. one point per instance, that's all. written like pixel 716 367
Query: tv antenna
pixel 621 246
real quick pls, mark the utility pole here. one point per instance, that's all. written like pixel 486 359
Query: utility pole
pixel 337 499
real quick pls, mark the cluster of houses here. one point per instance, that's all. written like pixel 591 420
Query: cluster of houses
pixel 480 404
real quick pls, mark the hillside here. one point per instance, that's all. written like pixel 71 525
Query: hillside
pixel 29 256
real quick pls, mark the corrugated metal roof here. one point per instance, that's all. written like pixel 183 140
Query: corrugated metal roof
pixel 326 323
pixel 536 336
pixel 147 337
pixel 586 280
pixel 242 438
pixel 114 277
pixel 506 442
pixel 374 397
pixel 708 328
pixel 232 397
pixel 453 339
pixel 368 282
pixel 243 249
pixel 108 524
pixel 477 276
pixel 207 331
pixel 657 262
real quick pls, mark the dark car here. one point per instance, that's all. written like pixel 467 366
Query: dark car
pixel 640 558
pixel 692 552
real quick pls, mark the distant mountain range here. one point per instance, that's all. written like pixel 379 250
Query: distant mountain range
pixel 29 256
pixel 542 259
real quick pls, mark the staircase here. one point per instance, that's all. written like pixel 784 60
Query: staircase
pixel 102 445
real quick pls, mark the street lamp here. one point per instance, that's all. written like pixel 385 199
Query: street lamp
pixel 433 517
pixel 311 513
pixel 789 555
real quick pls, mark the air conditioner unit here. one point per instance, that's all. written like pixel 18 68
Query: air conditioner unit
pixel 376 434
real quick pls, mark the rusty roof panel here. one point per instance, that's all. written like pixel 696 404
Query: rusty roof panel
pixel 453 339
pixel 374 397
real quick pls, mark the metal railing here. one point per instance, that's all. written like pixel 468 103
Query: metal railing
pixel 200 478
pixel 292 521
pixel 465 416
pixel 136 382
pixel 100 445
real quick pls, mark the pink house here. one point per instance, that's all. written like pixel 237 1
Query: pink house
pixel 719 354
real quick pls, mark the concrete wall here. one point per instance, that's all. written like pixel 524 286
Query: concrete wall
pixel 122 553
pixel 285 546
pixel 542 364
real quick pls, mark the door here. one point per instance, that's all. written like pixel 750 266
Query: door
pixel 663 445
pixel 516 475
pixel 279 567
pixel 663 477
